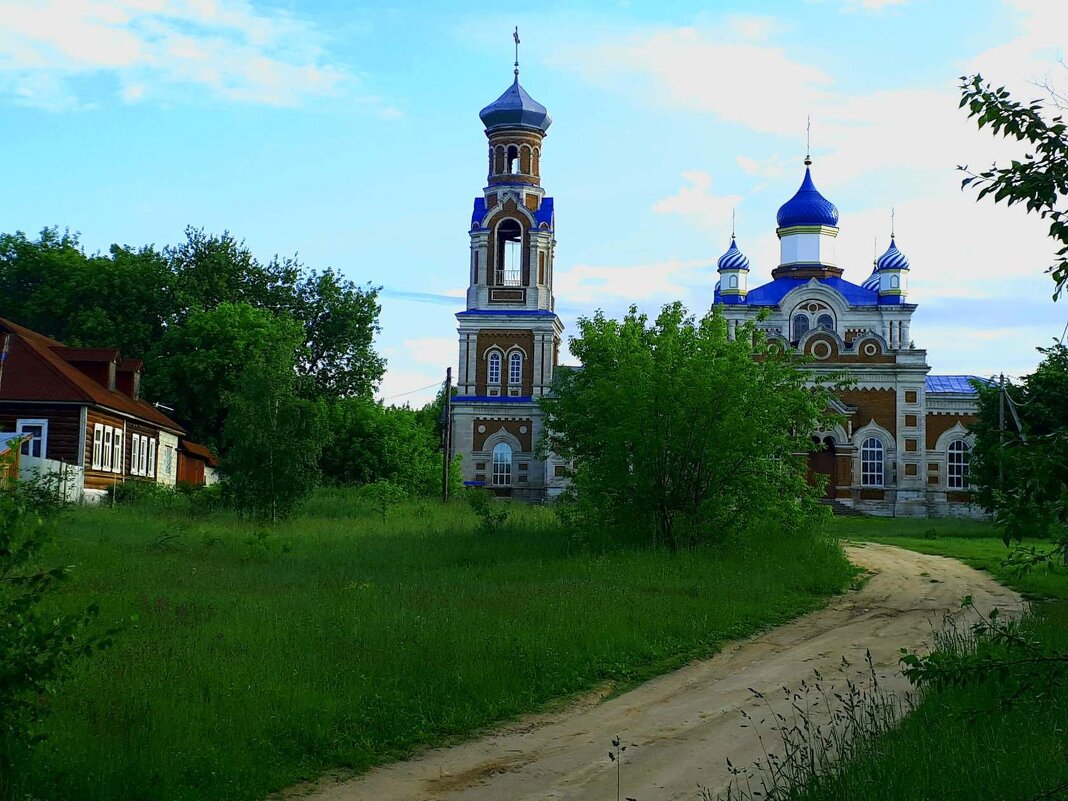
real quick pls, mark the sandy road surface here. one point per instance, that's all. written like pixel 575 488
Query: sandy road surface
pixel 681 727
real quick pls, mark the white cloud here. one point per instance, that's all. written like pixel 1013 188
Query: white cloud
pixel 697 203
pixel 602 285
pixel 771 167
pixel 438 351
pixel 225 48
pixel 873 5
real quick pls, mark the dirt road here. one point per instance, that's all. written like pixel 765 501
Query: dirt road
pixel 681 727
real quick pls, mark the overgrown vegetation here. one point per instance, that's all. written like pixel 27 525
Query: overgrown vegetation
pixel 681 434
pixel 38 646
pixel 264 656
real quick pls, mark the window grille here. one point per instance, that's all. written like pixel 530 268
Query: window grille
pixel 871 463
pixel 502 465
pixel 957 464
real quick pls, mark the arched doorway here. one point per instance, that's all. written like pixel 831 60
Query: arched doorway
pixel 821 462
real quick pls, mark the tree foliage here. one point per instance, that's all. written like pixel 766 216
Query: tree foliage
pixel 680 433
pixel 1021 472
pixel 1040 180
pixel 198 365
pixel 273 438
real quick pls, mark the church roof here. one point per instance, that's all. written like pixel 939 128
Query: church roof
pixel 807 207
pixel 893 259
pixel 516 109
pixel 958 384
pixel 544 214
pixel 771 294
pixel 733 259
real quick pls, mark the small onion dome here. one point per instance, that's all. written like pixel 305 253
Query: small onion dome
pixel 515 109
pixel 893 259
pixel 807 207
pixel 733 259
pixel 872 281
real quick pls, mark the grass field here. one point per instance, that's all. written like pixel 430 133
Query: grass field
pixel 965 743
pixel 256 658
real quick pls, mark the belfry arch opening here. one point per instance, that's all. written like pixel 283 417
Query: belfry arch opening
pixel 509 262
pixel 512 160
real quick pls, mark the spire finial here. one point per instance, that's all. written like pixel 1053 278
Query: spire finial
pixel 732 224
pixel 515 35
pixel 875 250
pixel 892 222
pixel 808 140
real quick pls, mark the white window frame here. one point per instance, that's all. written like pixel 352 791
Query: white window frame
pixel 502 469
pixel 108 449
pixel 98 445
pixel 873 463
pixel 515 368
pixel 135 454
pixel 957 459
pixel 493 368
pixel 152 458
pixel 43 424
pixel 143 467
pixel 119 453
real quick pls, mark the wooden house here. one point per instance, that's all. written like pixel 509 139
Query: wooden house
pixel 83 410
pixel 196 464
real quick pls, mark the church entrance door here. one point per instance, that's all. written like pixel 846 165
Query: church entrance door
pixel 821 463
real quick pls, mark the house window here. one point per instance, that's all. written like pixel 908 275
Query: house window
pixel 515 369
pixel 168 460
pixel 98 446
pixel 119 454
pixel 135 455
pixel 800 326
pixel 143 468
pixel 38 429
pixel 871 462
pixel 502 465
pixel 152 458
pixel 957 464
pixel 495 368
pixel 109 434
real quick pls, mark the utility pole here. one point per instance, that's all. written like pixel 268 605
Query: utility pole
pixel 447 437
pixel 1001 434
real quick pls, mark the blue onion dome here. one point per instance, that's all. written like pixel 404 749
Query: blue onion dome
pixel 872 281
pixel 733 259
pixel 515 109
pixel 807 207
pixel 893 259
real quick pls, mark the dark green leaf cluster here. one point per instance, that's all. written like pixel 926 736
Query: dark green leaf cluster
pixel 680 434
pixel 1040 180
pixel 273 438
pixel 1021 471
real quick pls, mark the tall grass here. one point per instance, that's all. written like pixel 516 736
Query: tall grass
pixel 255 658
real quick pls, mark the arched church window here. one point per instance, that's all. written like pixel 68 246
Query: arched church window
pixel 825 321
pixel 515 369
pixel 513 160
pixel 509 254
pixel 494 371
pixel 895 282
pixel 732 282
pixel 871 462
pixel 502 464
pixel 800 326
pixel 957 464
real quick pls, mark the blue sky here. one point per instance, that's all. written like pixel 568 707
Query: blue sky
pixel 349 134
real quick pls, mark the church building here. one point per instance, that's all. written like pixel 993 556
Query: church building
pixel 509 333
pixel 903 445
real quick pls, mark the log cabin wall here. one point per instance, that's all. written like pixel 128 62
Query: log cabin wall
pixel 64 426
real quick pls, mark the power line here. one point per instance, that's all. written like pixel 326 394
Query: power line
pixel 413 391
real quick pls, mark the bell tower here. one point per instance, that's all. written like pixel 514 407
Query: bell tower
pixel 509 333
